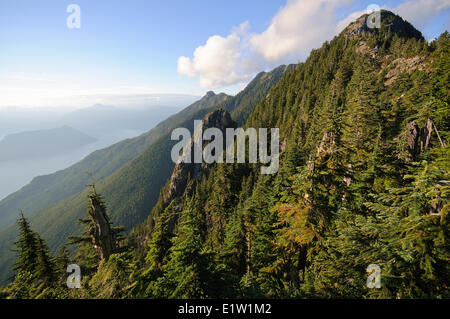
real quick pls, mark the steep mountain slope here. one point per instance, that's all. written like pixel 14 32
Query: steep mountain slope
pixel 364 180
pixel 46 190
pixel 243 104
pixel 132 189
pixel 363 186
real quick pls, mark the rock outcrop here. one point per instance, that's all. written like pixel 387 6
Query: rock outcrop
pixel 220 119
pixel 393 23
pixel 327 144
pixel 417 139
pixel 102 235
pixel 404 65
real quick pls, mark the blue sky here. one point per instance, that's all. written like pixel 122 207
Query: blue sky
pixel 190 47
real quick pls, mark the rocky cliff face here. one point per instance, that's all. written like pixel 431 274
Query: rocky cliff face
pixel 220 119
pixel 418 139
pixel 389 22
pixel 103 236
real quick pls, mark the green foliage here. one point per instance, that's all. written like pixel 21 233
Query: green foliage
pixel 130 173
pixel 346 196
pixel 35 271
pixel 189 271
pixel 45 197
pixel 112 279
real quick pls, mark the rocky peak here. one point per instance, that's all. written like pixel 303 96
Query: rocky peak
pixel 390 22
pixel 220 119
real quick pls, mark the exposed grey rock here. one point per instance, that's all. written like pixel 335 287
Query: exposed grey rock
pixel 103 237
pixel 412 136
pixel 417 139
pixel 404 65
pixel 393 23
pixel 327 144
pixel 220 119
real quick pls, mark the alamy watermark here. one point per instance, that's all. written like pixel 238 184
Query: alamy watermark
pixel 373 20
pixel 374 278
pixel 74 279
pixel 186 152
pixel 74 19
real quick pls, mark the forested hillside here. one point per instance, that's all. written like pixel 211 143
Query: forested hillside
pixel 364 180
pixel 130 173
pixel 46 190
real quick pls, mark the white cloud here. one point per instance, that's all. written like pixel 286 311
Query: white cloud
pixel 421 12
pixel 220 62
pixel 296 29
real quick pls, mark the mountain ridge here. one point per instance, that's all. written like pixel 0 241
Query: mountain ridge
pixel 363 184
pixel 73 201
pixel 358 184
pixel 42 143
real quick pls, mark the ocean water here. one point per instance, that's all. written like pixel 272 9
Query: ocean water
pixel 16 174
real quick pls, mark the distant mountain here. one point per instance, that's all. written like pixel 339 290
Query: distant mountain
pixel 112 114
pixel 42 143
pixel 130 174
pixel 132 116
pixel 104 120
pixel 20 119
pixel 46 190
